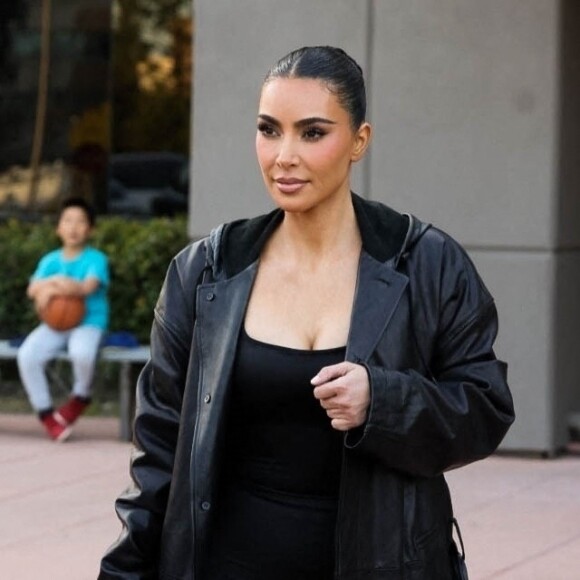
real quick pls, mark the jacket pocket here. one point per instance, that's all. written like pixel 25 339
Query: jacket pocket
pixel 427 522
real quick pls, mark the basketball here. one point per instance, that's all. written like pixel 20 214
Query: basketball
pixel 63 312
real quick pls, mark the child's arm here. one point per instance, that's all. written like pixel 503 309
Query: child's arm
pixel 72 287
pixel 41 291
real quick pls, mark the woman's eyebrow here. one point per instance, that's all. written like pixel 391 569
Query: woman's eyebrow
pixel 298 124
pixel 312 121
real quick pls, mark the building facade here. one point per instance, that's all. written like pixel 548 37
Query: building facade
pixel 94 94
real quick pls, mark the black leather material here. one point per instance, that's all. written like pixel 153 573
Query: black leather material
pixel 423 325
pixel 458 564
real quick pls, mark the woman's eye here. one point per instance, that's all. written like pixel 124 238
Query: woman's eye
pixel 266 130
pixel 314 133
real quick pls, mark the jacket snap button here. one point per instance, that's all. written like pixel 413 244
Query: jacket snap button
pixel 207 399
pixel 205 506
pixel 209 296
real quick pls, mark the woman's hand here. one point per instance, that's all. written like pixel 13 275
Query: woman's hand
pixel 344 393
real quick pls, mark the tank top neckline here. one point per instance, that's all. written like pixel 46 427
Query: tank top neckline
pixel 289 349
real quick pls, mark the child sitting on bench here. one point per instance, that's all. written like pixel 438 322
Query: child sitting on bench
pixel 74 269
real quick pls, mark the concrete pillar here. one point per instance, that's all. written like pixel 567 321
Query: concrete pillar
pixel 567 278
pixel 466 103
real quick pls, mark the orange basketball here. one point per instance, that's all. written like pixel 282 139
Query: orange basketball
pixel 64 312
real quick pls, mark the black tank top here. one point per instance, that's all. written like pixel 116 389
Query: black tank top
pixel 277 506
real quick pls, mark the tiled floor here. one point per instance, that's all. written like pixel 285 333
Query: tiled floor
pixel 520 517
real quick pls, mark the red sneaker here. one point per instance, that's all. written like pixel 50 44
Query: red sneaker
pixel 55 430
pixel 68 413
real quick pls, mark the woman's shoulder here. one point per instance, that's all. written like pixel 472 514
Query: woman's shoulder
pixel 192 250
pixel 435 239
pixel 187 265
pixel 438 255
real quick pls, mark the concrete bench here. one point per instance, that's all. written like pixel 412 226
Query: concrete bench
pixel 126 357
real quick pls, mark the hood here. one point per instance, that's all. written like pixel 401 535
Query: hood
pixel 386 235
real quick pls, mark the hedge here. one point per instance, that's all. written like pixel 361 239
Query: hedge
pixel 139 253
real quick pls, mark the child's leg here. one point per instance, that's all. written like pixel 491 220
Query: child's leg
pixel 40 346
pixel 83 349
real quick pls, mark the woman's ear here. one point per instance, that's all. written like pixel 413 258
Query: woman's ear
pixel 361 141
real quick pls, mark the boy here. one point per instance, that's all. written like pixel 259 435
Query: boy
pixel 74 269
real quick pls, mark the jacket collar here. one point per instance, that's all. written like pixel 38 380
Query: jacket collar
pixel 383 233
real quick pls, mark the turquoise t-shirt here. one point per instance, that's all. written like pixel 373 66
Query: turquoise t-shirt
pixel 90 263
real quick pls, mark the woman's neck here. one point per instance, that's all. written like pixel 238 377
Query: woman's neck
pixel 324 232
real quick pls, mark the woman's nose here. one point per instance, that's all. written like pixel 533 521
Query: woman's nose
pixel 287 155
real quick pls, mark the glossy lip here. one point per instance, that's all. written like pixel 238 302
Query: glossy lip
pixel 290 184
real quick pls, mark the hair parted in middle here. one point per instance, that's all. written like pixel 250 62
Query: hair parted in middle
pixel 333 66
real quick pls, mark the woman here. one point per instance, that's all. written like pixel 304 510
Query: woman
pixel 314 371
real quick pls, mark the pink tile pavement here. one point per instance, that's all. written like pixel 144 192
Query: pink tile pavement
pixel 520 517
pixel 56 500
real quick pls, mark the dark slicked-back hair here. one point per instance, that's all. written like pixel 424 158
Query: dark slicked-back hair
pixel 81 203
pixel 334 67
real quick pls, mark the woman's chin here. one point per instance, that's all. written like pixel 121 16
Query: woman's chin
pixel 292 203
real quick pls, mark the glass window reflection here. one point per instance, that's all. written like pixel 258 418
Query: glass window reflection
pixel 88 89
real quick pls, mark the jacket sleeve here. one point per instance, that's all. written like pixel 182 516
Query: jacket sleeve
pixel 141 508
pixel 459 409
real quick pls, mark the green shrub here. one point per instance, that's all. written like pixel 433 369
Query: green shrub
pixel 139 253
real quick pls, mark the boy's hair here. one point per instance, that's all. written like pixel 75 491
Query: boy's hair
pixel 81 203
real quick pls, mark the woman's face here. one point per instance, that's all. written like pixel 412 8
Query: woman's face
pixel 305 143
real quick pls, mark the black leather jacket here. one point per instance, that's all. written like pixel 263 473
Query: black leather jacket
pixel 423 325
